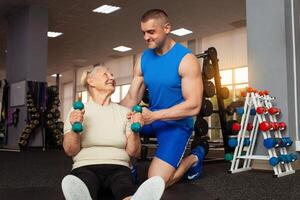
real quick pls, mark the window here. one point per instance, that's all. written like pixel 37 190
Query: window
pixel 236 80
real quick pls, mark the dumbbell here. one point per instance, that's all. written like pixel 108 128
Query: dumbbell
pixel 232 142
pixel 230 110
pixel 239 111
pixel 282 126
pixel 261 110
pixel 274 111
pixel 228 156
pixel 49 116
pixel 249 127
pixel 35 115
pixel 285 158
pixel 272 142
pixel 265 126
pixel 136 126
pixel 233 126
pixel 287 141
pixel 275 160
pixel 77 126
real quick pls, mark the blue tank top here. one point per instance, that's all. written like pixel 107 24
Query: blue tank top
pixel 161 77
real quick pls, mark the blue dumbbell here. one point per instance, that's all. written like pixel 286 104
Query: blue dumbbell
pixel 136 126
pixel 285 159
pixel 239 111
pixel 232 142
pixel 276 160
pixel 293 157
pixel 246 142
pixel 252 111
pixel 77 126
pixel 287 141
pixel 270 143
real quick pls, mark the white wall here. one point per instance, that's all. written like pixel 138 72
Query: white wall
pixel 122 69
pixel 231 47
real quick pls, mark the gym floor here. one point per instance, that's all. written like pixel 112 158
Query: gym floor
pixel 34 174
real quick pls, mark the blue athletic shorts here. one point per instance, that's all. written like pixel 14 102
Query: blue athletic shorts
pixel 172 140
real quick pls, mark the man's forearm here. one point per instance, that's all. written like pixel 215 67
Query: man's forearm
pixel 182 110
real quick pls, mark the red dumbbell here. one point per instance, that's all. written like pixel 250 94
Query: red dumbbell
pixel 250 89
pixel 261 93
pixel 243 93
pixel 274 126
pixel 282 126
pixel 274 111
pixel 266 92
pixel 265 126
pixel 261 110
pixel 236 127
pixel 249 127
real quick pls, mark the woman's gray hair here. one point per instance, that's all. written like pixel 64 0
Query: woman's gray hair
pixel 87 74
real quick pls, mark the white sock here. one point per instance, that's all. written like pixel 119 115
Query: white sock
pixel 151 189
pixel 74 188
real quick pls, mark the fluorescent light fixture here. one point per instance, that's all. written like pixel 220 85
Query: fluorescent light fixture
pixel 55 75
pixel 54 34
pixel 122 48
pixel 181 32
pixel 106 9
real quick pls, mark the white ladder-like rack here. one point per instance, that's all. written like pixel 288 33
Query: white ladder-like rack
pixel 253 100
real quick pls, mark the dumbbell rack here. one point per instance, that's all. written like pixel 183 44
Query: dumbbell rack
pixel 254 100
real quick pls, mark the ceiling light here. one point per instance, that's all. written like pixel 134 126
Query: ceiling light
pixel 181 32
pixel 106 9
pixel 55 75
pixel 122 48
pixel 54 34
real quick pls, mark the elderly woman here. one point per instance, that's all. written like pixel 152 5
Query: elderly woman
pixel 101 153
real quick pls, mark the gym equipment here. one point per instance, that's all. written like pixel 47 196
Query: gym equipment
pixel 206 108
pixel 228 156
pixel 282 126
pixel 232 142
pixel 209 89
pixel 136 126
pixel 233 126
pixel 264 122
pixel 201 126
pixel 262 110
pixel 277 142
pixel 274 111
pixel 265 126
pixel 249 127
pixel 239 111
pixel 283 159
pixel 77 126
pixel 230 110
pixel 224 93
pixel 208 69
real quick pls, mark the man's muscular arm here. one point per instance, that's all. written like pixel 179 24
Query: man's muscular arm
pixel 137 88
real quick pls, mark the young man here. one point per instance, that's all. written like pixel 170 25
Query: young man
pixel 173 77
pixel 101 152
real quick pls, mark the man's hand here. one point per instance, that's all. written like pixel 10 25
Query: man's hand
pixel 148 116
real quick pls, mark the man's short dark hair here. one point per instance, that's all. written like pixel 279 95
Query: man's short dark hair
pixel 155 14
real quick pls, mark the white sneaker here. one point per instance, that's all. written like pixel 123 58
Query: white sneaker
pixel 74 188
pixel 151 189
